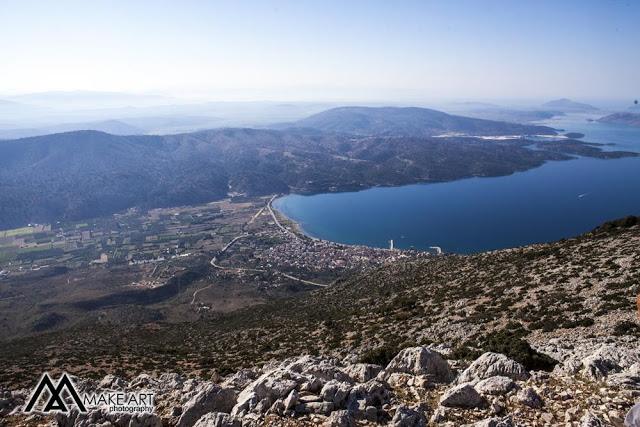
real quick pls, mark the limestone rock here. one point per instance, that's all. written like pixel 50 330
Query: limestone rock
pixel 493 422
pixel 10 401
pixel 209 398
pixel 371 414
pixel 621 356
pixel 240 379
pixel 528 396
pixel 309 398
pixel 491 365
pixel 408 417
pixel 189 385
pixel 590 420
pixel 170 381
pixel 633 416
pixel 420 361
pixel 272 385
pixel 371 393
pixel 496 386
pixel 362 372
pixel 323 408
pixel 439 415
pixel 111 382
pixel 335 392
pixel 340 419
pixel 569 367
pixel 217 419
pixel 571 414
pixel 291 401
pixel 462 396
pixel 99 417
pixel 277 408
pixel 324 368
pixel 143 381
pixel 623 380
pixel 263 405
pixel 609 359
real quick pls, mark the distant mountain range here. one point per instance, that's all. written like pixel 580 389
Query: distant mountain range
pixel 511 114
pixel 115 127
pixel 567 104
pixel 91 99
pixel 408 121
pixel 88 174
pixel 622 119
pixel 40 113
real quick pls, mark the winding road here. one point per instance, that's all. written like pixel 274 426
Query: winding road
pixel 246 234
pixel 193 300
pixel 273 215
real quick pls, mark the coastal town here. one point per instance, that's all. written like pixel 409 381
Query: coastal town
pixel 154 239
pixel 189 255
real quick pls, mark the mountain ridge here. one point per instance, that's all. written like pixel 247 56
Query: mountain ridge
pixel 568 104
pixel 408 121
pixel 87 174
pixel 632 119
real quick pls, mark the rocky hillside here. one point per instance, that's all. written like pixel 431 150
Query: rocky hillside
pixel 539 335
pixel 596 385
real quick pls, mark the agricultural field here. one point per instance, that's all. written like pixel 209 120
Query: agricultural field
pixel 167 264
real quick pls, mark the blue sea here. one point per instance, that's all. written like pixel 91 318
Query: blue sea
pixel 558 200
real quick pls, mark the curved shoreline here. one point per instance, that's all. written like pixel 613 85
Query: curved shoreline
pixel 296 225
pixel 472 215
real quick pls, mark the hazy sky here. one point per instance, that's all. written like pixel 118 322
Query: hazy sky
pixel 304 50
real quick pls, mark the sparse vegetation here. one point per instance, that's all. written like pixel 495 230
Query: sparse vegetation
pixel 476 303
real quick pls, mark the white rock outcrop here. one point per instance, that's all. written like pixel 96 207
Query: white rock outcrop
pixel 491 365
pixel 420 361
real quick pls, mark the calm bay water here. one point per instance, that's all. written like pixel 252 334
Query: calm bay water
pixel 559 199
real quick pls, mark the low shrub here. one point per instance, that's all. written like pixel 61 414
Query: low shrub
pixel 511 344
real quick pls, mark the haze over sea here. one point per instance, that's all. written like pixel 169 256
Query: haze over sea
pixel 558 200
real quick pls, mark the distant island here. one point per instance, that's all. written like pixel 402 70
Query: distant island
pixel 567 104
pixel 574 135
pixel 408 121
pixel 632 119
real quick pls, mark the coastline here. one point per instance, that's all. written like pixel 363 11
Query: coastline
pixel 293 225
pixel 446 224
pixel 569 194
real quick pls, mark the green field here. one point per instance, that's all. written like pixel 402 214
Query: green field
pixel 40 248
pixel 17 231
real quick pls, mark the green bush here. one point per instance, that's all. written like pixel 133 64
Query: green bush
pixel 629 221
pixel 380 355
pixel 511 344
pixel 626 328
pixel 464 352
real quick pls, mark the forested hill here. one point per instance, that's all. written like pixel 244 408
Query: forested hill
pixel 86 174
pixel 409 121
